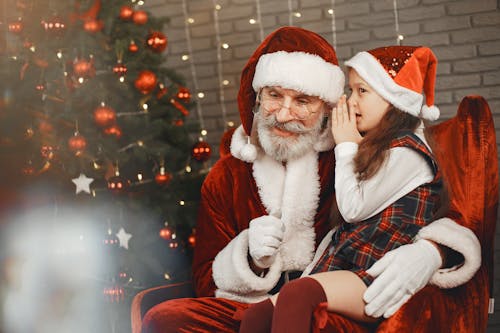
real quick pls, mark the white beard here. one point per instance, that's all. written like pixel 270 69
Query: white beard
pixel 286 148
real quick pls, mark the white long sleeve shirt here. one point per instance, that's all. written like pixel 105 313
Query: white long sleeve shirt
pixel 403 171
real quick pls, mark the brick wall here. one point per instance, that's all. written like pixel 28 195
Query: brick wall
pixel 465 35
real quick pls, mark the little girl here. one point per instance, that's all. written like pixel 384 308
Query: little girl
pixel 387 186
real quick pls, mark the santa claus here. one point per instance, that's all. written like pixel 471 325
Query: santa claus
pixel 266 206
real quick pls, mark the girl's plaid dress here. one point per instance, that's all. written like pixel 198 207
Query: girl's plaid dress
pixel 357 246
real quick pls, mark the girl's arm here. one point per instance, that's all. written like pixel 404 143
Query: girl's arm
pixel 403 171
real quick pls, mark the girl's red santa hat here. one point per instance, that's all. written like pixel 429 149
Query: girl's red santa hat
pixel 400 74
pixel 291 58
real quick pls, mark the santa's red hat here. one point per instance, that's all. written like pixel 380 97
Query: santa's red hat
pixel 292 58
pixel 400 74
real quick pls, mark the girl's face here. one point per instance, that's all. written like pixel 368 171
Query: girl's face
pixel 368 106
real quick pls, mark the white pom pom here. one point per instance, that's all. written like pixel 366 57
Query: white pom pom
pixel 248 153
pixel 429 112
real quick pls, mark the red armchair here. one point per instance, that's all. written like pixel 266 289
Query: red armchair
pixel 468 158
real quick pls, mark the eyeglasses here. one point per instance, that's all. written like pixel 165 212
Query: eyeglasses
pixel 301 108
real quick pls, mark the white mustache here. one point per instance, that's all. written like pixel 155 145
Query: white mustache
pixel 290 126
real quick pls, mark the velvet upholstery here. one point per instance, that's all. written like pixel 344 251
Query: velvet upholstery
pixel 467 154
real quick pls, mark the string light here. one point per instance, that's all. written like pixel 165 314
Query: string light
pixel 191 64
pixel 259 20
pixel 331 11
pixel 222 98
pixel 185 57
pixel 399 37
pixel 225 45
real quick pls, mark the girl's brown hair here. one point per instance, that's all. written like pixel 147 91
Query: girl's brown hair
pixel 375 146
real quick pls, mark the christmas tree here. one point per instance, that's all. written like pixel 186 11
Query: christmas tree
pixel 96 141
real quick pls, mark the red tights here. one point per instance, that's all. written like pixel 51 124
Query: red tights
pixel 293 312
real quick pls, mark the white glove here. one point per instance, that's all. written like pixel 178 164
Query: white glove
pixel 265 234
pixel 399 274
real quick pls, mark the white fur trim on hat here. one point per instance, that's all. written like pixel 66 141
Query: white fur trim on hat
pixel 301 71
pixel 430 112
pixel 368 67
pixel 242 146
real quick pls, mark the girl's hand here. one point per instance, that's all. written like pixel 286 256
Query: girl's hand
pixel 344 128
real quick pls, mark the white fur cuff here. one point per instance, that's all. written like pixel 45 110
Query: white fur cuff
pixel 233 276
pixel 461 239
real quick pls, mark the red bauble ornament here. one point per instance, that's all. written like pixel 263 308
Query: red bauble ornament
pixel 156 41
pixel 192 238
pixel 163 177
pixel 104 116
pixel 55 25
pixel 93 26
pixel 184 94
pixel 126 13
pixel 201 151
pixel 166 233
pixel 47 152
pixel 120 69
pixel 16 27
pixel 118 184
pixel 113 130
pixel 45 127
pixel 132 48
pixel 83 68
pixel 145 82
pixel 140 17
pixel 77 143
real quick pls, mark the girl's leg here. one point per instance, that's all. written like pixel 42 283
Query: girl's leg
pixel 344 292
pixel 258 317
pixel 295 305
pixel 297 300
